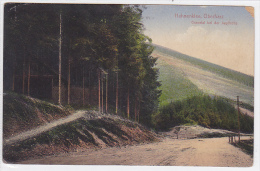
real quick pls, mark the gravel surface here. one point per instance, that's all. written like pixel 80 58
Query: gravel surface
pixel 89 115
pixel 174 152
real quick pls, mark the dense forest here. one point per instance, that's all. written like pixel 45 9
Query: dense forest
pixel 52 50
pixel 204 110
pixel 97 56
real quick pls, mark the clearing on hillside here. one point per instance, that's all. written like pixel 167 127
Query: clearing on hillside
pixel 183 76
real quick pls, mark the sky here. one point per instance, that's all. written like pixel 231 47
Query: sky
pixel 223 35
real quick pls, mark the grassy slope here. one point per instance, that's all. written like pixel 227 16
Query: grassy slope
pixel 225 72
pixel 175 86
pixel 181 78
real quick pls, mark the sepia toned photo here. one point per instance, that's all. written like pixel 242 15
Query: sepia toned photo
pixel 128 85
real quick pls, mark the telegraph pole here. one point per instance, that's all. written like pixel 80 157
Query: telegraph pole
pixel 238 113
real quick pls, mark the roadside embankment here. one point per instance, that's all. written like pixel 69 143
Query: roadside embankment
pixel 22 113
pixel 88 130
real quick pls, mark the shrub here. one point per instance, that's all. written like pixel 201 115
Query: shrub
pixel 205 110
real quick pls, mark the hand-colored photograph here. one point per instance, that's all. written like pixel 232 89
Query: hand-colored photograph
pixel 131 85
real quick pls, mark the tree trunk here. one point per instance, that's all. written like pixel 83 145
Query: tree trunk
pixel 106 93
pixel 138 111
pixel 13 80
pixel 59 100
pixel 136 108
pixel 69 75
pixel 23 69
pixel 69 84
pixel 116 92
pixel 52 87
pixel 83 88
pixel 99 105
pixel 14 74
pixel 89 94
pixel 23 77
pixel 29 77
pixel 102 93
pixel 128 105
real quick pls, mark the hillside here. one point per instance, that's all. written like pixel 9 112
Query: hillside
pixel 32 132
pixel 222 71
pixel 22 113
pixel 183 76
pixel 81 133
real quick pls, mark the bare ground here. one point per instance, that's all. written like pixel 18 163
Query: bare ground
pixel 169 151
pixel 36 131
pixel 88 115
pixel 246 112
pixel 79 131
pixel 174 152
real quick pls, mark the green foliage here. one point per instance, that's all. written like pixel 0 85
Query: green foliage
pixel 207 111
pixel 93 37
pixel 135 65
pixel 175 86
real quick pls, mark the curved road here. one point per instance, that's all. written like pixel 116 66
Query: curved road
pixel 38 130
pixel 174 152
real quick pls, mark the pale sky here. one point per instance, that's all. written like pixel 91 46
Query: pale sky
pixel 230 43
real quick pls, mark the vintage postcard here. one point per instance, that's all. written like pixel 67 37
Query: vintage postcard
pixel 129 84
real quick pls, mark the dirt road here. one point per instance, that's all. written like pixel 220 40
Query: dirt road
pixel 189 152
pixel 246 112
pixel 41 129
pixel 36 131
